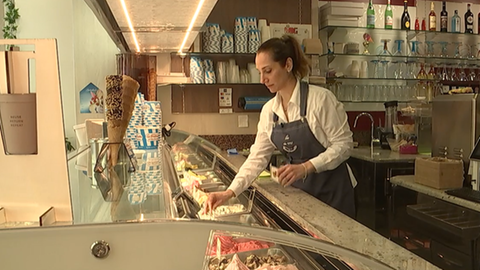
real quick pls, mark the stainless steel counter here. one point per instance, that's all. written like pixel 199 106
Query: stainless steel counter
pixel 328 224
pixel 382 155
pixel 408 181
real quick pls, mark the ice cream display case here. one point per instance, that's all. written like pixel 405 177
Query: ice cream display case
pixel 167 244
pixel 156 212
pixel 173 182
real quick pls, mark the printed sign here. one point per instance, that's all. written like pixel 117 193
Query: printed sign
pixel 91 99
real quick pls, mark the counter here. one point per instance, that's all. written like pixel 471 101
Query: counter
pixel 408 181
pixel 329 224
pixel 382 155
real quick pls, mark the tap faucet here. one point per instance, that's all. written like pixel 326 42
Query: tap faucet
pixel 372 139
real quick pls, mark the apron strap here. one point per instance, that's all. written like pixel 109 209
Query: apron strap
pixel 303 98
pixel 275 118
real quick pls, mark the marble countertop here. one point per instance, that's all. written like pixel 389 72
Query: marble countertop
pixel 382 155
pixel 328 224
pixel 408 181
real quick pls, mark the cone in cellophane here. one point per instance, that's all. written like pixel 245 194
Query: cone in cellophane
pixel 121 93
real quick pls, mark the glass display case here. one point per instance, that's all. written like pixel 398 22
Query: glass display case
pixel 154 216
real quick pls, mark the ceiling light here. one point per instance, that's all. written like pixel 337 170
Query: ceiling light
pixel 130 25
pixel 194 18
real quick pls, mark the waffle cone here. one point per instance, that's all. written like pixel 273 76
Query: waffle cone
pixel 117 124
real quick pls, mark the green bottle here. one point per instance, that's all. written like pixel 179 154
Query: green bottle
pixel 370 15
pixel 388 16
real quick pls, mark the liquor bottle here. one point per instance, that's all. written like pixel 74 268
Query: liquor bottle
pixel 444 17
pixel 388 16
pixel 432 18
pixel 468 20
pixel 479 23
pixel 417 25
pixel 405 16
pixel 456 23
pixel 370 15
pixel 424 25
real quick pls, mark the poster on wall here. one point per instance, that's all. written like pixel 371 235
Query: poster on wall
pixel 91 99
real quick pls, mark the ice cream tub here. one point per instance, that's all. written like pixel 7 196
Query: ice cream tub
pixel 252 258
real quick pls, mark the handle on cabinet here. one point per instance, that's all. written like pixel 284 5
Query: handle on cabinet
pixel 448 261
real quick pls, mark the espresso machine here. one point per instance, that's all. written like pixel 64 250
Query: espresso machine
pixel 455 129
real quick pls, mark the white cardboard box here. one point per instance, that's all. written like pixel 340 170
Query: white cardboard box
pixel 345 9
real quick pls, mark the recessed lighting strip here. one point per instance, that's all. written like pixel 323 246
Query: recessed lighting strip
pixel 194 18
pixel 130 25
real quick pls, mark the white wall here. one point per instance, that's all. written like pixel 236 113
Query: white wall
pixel 86 52
pixel 94 53
pixel 53 19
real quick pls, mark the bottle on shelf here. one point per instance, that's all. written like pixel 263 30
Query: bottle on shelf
pixel 417 25
pixel 370 15
pixel 388 16
pixel 432 18
pixel 444 17
pixel 468 20
pixel 479 23
pixel 405 16
pixel 456 23
pixel 424 25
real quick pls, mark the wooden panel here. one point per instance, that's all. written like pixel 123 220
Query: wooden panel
pixel 277 11
pixel 203 98
pixel 177 98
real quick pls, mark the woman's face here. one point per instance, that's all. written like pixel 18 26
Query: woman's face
pixel 272 73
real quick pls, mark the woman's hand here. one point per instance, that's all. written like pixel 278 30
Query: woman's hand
pixel 290 173
pixel 215 199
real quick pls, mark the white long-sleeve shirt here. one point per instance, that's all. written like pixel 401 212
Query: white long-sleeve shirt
pixel 326 118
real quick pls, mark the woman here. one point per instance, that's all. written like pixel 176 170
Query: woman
pixel 306 123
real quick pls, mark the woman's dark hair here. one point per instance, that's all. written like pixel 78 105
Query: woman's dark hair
pixel 282 48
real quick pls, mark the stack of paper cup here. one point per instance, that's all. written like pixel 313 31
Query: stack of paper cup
pixel 151 161
pixel 212 38
pixel 252 23
pixel 129 144
pixel 254 73
pixel 197 72
pixel 227 43
pixel 153 172
pixel 148 137
pixel 152 114
pixel 136 191
pixel 209 71
pixel 241 35
pixel 221 74
pixel 136 120
pixel 254 40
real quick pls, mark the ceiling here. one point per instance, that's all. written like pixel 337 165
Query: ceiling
pixel 159 25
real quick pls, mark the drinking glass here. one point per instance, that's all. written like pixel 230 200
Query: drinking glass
pixel 444 45
pixel 430 51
